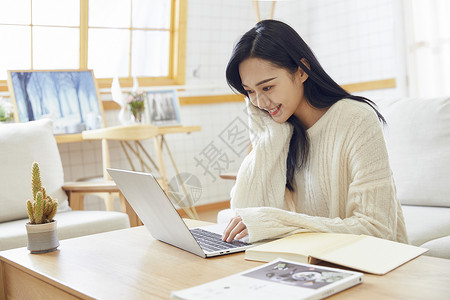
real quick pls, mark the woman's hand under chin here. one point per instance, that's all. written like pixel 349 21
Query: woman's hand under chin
pixel 236 229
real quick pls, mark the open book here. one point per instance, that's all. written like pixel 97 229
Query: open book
pixel 279 279
pixel 360 252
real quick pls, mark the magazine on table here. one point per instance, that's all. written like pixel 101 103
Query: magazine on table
pixel 279 279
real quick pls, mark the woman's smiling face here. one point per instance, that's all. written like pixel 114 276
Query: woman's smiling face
pixel 272 88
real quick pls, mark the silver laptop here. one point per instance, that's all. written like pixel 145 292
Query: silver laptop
pixel 160 217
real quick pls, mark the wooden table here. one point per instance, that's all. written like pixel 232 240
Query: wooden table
pixel 130 264
pixel 136 133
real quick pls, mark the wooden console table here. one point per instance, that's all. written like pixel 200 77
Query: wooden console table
pixel 130 137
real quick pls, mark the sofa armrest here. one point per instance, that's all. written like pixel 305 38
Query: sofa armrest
pixel 77 190
pixel 229 176
pixel 91 187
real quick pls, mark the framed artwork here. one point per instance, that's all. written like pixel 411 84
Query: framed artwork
pixel 163 108
pixel 69 97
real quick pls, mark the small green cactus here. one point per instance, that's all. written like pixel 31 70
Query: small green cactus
pixel 42 208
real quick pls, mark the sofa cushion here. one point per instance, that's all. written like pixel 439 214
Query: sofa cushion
pixel 21 145
pixel 418 138
pixel 439 247
pixel 424 224
pixel 70 224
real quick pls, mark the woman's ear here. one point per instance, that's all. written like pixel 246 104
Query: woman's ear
pixel 305 62
pixel 303 75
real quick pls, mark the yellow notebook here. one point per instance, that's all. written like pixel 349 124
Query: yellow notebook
pixel 360 252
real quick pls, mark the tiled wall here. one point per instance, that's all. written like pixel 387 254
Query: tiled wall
pixel 354 41
pixel 213 28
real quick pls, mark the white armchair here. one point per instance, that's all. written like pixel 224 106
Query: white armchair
pixel 21 145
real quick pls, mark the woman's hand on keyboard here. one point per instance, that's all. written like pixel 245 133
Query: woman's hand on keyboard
pixel 236 229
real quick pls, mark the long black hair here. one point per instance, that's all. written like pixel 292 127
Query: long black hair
pixel 281 45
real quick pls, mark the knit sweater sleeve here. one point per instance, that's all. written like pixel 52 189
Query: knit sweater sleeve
pixel 261 178
pixel 370 207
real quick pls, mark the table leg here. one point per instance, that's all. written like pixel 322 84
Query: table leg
pixel 2 281
pixel 106 159
pixel 109 201
pixel 189 209
pixel 162 168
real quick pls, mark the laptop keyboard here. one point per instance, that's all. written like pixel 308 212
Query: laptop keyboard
pixel 211 241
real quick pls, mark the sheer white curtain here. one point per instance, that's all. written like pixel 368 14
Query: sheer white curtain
pixel 428 24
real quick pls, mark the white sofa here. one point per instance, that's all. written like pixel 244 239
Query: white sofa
pixel 20 145
pixel 418 138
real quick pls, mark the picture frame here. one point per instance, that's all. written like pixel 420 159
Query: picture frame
pixel 163 108
pixel 69 97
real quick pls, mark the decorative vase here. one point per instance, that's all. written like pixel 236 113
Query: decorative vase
pixel 137 116
pixel 42 238
pixel 124 115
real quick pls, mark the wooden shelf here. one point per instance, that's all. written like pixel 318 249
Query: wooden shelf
pixel 124 132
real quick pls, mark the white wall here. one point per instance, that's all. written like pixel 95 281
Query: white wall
pixel 354 41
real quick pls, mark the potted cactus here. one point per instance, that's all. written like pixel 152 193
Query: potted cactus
pixel 41 230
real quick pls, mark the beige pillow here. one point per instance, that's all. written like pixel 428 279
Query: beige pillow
pixel 418 138
pixel 20 145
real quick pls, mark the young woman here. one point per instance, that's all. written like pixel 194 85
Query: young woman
pixel 319 160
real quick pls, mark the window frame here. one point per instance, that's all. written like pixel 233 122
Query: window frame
pixel 177 55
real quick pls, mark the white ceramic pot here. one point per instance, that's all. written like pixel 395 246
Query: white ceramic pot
pixel 42 238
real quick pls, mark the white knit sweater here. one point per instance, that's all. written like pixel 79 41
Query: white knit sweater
pixel 347 186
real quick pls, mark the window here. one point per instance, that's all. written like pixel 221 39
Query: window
pixel 429 47
pixel 127 38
